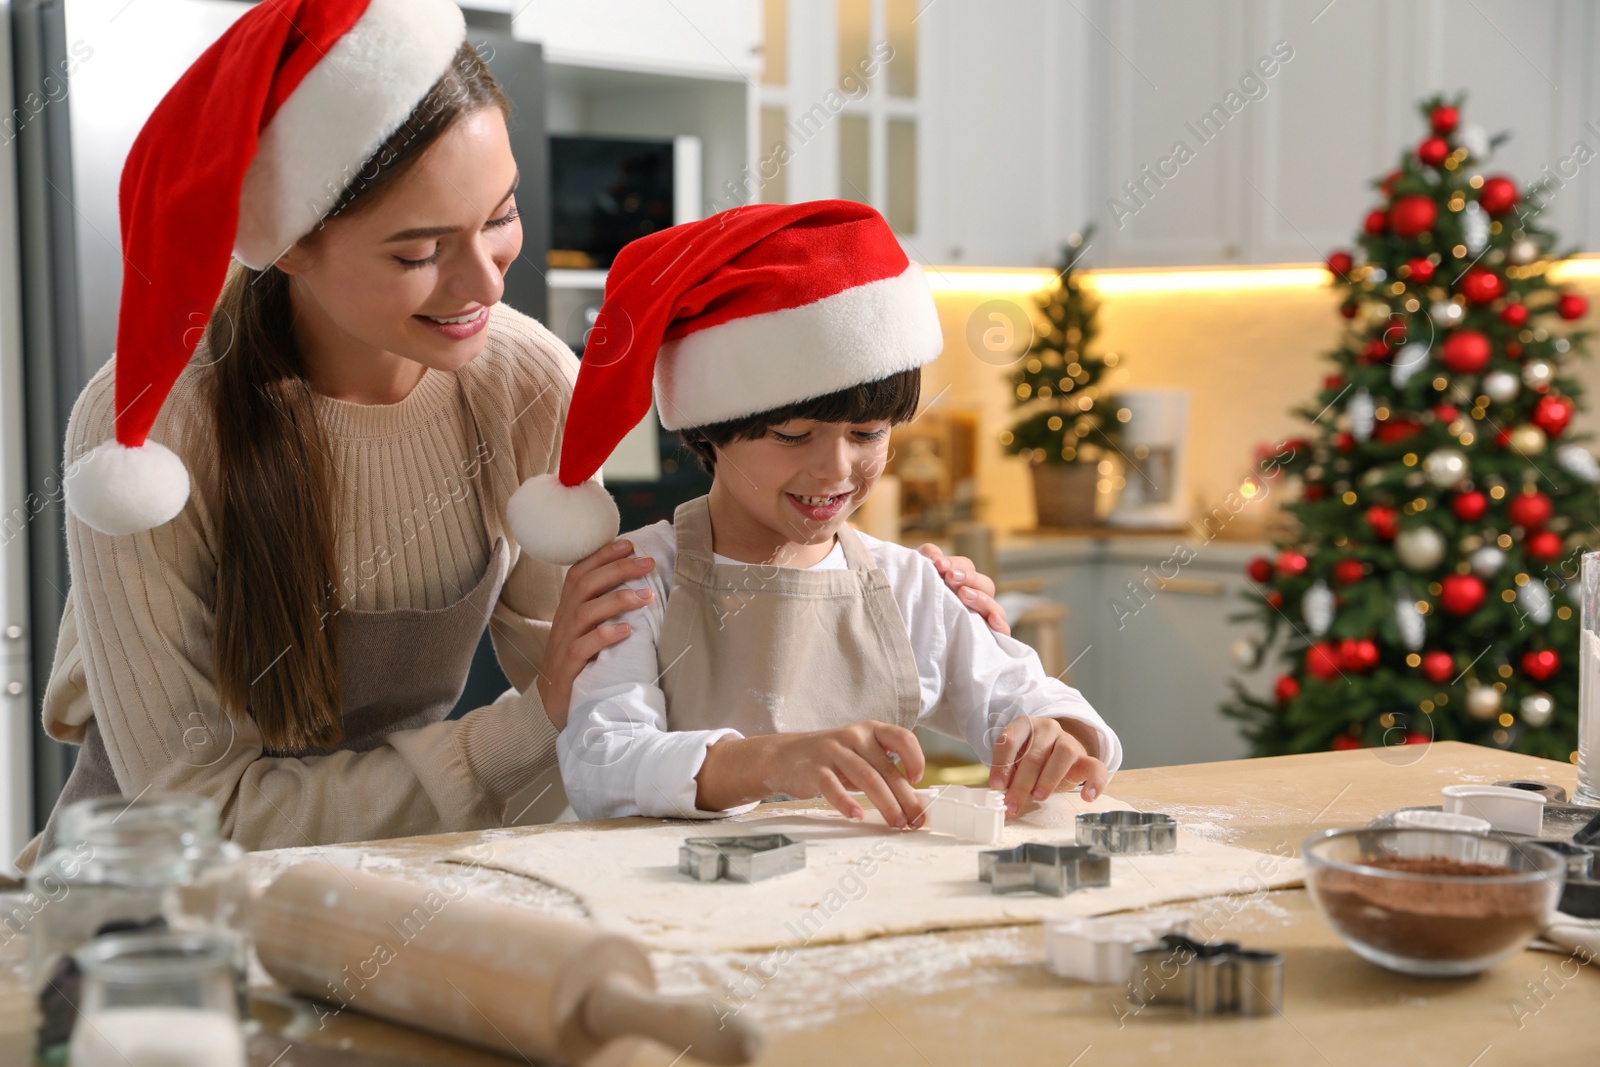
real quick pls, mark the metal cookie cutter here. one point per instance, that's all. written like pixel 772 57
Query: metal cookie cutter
pixel 1035 868
pixel 1207 978
pixel 1126 832
pixel 748 858
pixel 1549 790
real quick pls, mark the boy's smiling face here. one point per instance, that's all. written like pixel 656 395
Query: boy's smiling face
pixel 782 497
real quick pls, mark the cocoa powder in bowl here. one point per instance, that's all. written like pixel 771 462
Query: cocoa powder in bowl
pixel 1451 918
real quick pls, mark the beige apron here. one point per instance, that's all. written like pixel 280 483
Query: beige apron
pixel 765 649
pixel 398 669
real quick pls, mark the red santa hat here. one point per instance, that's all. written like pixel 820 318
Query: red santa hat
pixel 244 156
pixel 752 309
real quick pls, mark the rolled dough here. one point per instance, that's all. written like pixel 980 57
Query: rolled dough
pixel 861 880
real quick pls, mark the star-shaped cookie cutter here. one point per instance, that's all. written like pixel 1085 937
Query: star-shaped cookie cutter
pixel 1128 832
pixel 746 858
pixel 1036 868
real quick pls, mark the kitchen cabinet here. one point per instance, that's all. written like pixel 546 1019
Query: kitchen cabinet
pixel 695 38
pixel 1148 635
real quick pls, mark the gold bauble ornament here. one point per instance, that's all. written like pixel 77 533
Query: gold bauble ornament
pixel 1527 440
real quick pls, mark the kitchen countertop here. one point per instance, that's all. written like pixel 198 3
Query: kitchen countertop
pixel 985 995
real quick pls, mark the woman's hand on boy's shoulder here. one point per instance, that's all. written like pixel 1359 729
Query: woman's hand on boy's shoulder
pixel 975 590
pixel 1035 757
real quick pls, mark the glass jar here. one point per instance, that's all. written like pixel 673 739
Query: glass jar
pixel 153 864
pixel 1589 683
pixel 158 1000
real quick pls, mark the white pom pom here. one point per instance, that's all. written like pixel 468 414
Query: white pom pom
pixel 120 490
pixel 561 523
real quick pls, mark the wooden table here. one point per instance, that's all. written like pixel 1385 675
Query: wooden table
pixel 1337 1009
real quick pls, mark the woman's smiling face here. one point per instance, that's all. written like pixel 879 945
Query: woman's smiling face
pixel 434 246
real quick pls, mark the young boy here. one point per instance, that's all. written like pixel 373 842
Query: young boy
pixel 780 651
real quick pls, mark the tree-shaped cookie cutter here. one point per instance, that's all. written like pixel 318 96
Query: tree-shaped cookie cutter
pixel 1128 832
pixel 1035 868
pixel 746 858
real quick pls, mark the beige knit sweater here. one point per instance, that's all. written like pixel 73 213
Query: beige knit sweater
pixel 136 636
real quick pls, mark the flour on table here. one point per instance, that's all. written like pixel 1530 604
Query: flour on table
pixel 861 880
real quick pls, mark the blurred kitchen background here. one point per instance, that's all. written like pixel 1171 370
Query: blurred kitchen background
pixel 1003 140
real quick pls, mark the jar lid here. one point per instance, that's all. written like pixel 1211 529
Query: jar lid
pixel 144 957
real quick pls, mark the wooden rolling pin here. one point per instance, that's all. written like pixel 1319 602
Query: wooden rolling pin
pixel 487 974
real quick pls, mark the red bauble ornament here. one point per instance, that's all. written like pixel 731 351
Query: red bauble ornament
pixel 1531 510
pixel 1419 270
pixel 1348 310
pixel 1344 743
pixel 1541 664
pixel 1376 221
pixel 1349 571
pixel 1544 545
pixel 1514 351
pixel 1285 688
pixel 1503 438
pixel 1413 214
pixel 1291 564
pixel 1386 186
pixel 1340 263
pixel 1274 600
pixel 1480 286
pixel 1322 661
pixel 1514 314
pixel 1357 655
pixel 1416 737
pixel 1498 195
pixel 1315 491
pixel 1390 431
pixel 1461 594
pixel 1446 413
pixel 1259 570
pixel 1383 520
pixel 1438 667
pixel 1443 119
pixel 1433 151
pixel 1470 506
pixel 1465 351
pixel 1572 306
pixel 1333 381
pixel 1344 441
pixel 1376 351
pixel 1552 413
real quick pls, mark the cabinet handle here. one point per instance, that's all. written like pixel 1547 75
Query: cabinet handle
pixel 14 688
pixel 13 632
pixel 1191 586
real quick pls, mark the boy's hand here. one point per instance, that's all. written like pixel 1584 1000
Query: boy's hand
pixel 1036 757
pixel 826 763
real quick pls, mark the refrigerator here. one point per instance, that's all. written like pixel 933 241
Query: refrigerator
pixel 96 69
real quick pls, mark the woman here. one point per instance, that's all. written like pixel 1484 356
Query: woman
pixel 279 611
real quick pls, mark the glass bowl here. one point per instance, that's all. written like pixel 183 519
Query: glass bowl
pixel 1432 902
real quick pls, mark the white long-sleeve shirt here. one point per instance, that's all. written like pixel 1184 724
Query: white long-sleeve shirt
pixel 619 758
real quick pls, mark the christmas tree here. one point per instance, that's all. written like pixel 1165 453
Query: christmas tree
pixel 1056 383
pixel 1438 505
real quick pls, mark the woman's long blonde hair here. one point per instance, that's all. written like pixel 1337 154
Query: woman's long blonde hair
pixel 276 650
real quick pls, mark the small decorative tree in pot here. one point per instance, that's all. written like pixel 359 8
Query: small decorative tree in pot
pixel 1066 426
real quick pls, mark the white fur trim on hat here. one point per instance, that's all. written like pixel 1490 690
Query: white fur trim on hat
pixel 746 366
pixel 560 523
pixel 344 108
pixel 120 490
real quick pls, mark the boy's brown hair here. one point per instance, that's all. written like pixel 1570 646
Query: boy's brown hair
pixel 894 399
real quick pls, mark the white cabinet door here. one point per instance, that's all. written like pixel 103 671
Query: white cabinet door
pixel 702 38
pixel 1169 139
pixel 1007 118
